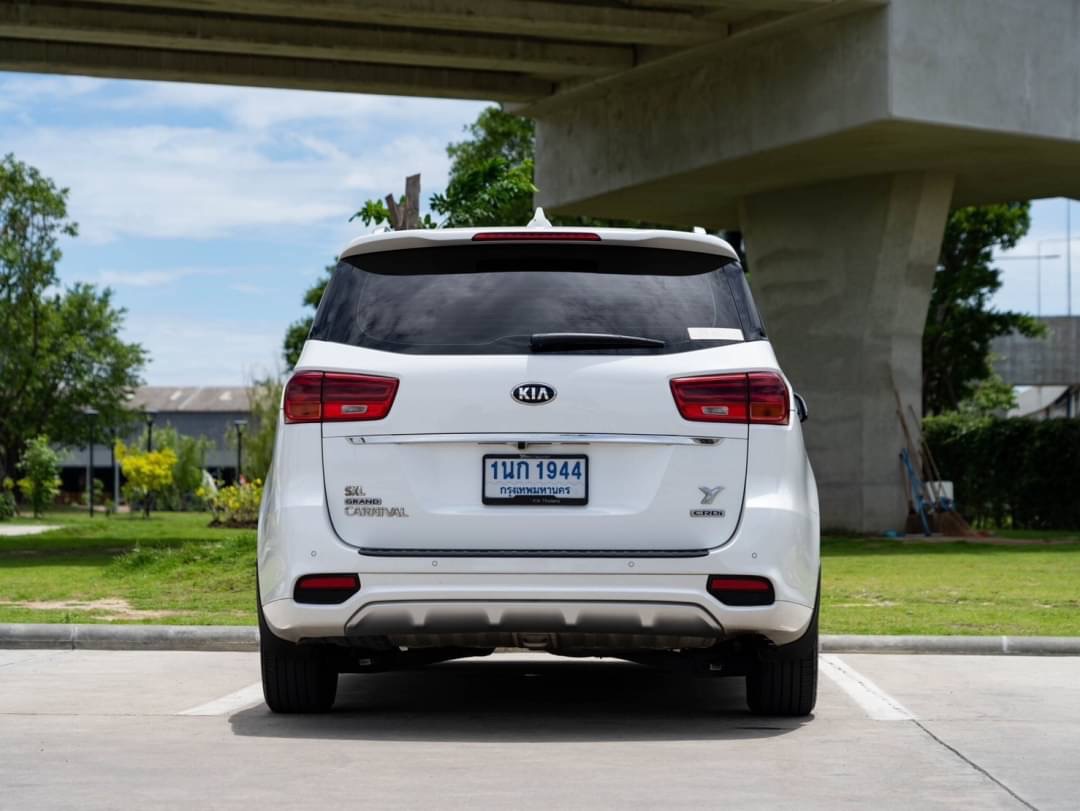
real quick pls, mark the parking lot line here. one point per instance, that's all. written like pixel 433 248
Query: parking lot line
pixel 239 700
pixel 874 701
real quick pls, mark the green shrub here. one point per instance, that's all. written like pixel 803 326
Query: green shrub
pixel 1010 472
pixel 8 509
pixel 40 465
pixel 236 505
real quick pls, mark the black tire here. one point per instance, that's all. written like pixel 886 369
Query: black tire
pixel 783 679
pixel 295 678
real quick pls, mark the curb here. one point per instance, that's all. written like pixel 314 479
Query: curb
pixel 957 645
pixel 130 637
pixel 246 638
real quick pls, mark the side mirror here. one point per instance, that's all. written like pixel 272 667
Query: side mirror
pixel 800 408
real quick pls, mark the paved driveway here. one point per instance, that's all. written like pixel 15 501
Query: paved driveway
pixel 96 729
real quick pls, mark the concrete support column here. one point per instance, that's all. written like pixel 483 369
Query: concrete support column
pixel 842 273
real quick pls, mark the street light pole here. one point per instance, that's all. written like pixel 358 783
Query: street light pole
pixel 90 413
pixel 115 473
pixel 1068 256
pixel 149 414
pixel 240 424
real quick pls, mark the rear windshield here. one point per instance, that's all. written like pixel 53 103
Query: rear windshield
pixel 491 299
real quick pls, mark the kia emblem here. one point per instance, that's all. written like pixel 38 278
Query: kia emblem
pixel 533 393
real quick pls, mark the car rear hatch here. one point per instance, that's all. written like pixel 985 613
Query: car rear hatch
pixel 450 428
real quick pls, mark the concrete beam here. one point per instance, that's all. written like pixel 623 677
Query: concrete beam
pixel 263 71
pixel 680 140
pixel 535 18
pixel 186 31
pixel 842 273
pixel 1050 361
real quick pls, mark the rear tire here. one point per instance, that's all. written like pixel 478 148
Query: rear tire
pixel 783 679
pixel 295 678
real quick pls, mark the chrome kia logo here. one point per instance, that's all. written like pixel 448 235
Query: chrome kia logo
pixel 533 393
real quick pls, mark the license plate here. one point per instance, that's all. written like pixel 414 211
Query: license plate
pixel 535 479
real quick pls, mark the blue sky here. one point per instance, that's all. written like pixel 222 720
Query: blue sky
pixel 209 210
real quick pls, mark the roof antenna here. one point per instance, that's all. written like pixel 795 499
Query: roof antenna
pixel 699 230
pixel 539 220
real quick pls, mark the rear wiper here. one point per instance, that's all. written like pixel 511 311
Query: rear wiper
pixel 557 341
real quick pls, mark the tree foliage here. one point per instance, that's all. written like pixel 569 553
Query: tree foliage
pixel 148 473
pixel 298 330
pixel 961 323
pixel 60 350
pixel 264 397
pixel 40 465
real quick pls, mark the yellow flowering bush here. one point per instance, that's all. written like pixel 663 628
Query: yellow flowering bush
pixel 147 474
pixel 236 505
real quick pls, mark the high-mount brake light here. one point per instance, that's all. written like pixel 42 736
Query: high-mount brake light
pixel 338 397
pixel 757 398
pixel 326 589
pixel 535 236
pixel 741 589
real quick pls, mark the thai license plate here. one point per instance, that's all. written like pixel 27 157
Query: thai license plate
pixel 536 479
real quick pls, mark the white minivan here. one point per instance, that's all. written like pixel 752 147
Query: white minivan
pixel 573 440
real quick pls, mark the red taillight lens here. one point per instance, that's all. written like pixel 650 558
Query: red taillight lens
pixel 303 397
pixel 769 401
pixel 739 589
pixel 336 397
pixel 720 398
pixel 758 397
pixel 536 236
pixel 357 397
pixel 326 589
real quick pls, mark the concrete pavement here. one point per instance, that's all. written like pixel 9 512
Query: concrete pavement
pixel 109 729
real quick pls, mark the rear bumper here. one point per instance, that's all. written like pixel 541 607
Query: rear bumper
pixel 647 611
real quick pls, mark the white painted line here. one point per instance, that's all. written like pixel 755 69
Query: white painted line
pixel 875 702
pixel 240 700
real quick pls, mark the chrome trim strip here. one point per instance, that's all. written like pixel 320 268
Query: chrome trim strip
pixel 532 439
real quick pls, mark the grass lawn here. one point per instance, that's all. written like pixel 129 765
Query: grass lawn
pixel 175 569
pixel 170 569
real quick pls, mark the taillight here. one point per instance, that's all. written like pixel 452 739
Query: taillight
pixel 758 397
pixel 769 401
pixel 326 589
pixel 337 397
pixel 536 236
pixel 739 589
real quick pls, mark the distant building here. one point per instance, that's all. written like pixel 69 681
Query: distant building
pixel 207 411
pixel 1047 402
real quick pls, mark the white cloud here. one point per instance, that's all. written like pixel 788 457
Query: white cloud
pixel 205 352
pixel 149 278
pixel 205 162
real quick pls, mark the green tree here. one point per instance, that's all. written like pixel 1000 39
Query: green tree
pixel 60 350
pixel 298 331
pixel 40 465
pixel 264 404
pixel 148 473
pixel 960 322
pixel 187 472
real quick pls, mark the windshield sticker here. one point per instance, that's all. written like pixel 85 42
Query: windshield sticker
pixel 714 334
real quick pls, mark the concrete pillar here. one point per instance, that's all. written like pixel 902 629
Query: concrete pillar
pixel 842 273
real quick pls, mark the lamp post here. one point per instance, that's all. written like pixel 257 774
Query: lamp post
pixel 90 414
pixel 149 414
pixel 115 472
pixel 240 425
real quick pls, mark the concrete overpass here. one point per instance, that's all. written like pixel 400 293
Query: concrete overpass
pixel 835 133
pixel 1053 360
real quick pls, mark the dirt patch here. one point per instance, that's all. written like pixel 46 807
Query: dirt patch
pixel 110 608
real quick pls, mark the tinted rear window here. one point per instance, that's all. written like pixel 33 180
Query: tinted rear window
pixel 490 299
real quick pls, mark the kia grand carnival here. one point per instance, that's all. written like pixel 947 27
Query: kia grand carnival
pixel 568 440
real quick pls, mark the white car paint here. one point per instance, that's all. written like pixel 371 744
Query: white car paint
pixel 446 557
